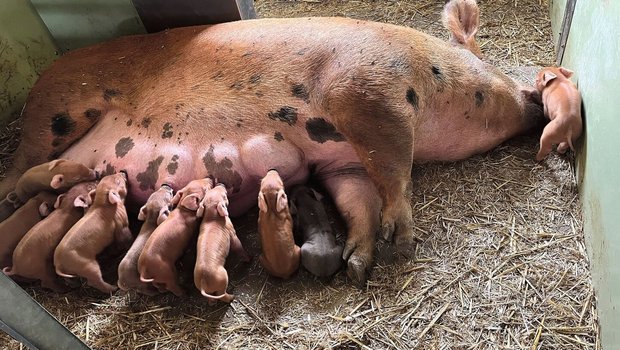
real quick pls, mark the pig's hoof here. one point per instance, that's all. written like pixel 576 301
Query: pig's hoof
pixel 405 244
pixel 357 271
pixel 387 231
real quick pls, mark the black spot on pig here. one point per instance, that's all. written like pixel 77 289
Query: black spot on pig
pixel 479 96
pixel 148 178
pixel 92 114
pixel 300 91
pixel 172 167
pixel 254 79
pixel 62 124
pixel 129 122
pixel 175 158
pixel 238 85
pixel 123 146
pixel 412 98
pixel 57 141
pixel 437 73
pixel 222 171
pixel 320 130
pixel 108 94
pixel 109 170
pixel 285 114
pixel 167 133
pixel 146 121
pixel 278 136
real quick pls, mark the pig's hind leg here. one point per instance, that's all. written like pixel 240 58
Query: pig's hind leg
pixel 92 273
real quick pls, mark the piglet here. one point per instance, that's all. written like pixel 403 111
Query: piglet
pixel 104 222
pixel 215 239
pixel 34 255
pixel 462 19
pixel 562 105
pixel 319 253
pixel 280 256
pixel 13 229
pixel 56 176
pixel 153 213
pixel 166 244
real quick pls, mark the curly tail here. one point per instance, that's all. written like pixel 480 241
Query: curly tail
pixel 224 297
pixel 8 271
pixel 62 274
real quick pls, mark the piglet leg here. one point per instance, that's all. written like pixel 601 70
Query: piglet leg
pixel 92 273
pixel 237 248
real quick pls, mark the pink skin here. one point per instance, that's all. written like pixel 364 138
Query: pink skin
pixel 34 255
pixel 56 176
pixel 462 19
pixel 249 96
pixel 104 223
pixel 215 239
pixel 562 105
pixel 168 241
pixel 280 256
pixel 153 213
pixel 13 229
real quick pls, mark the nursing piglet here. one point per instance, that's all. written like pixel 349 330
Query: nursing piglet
pixel 153 213
pixel 104 223
pixel 34 255
pixel 562 105
pixel 13 229
pixel 168 241
pixel 280 256
pixel 216 238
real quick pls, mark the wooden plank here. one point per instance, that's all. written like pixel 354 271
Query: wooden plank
pixel 157 15
pixel 565 29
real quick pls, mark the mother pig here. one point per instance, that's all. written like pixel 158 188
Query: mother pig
pixel 352 102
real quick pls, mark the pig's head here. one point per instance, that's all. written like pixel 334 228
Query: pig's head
pixel 111 190
pixel 271 197
pixel 158 206
pixel 67 173
pixel 191 196
pixel 76 197
pixel 549 74
pixel 215 203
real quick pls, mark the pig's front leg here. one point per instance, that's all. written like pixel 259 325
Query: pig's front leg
pixel 359 205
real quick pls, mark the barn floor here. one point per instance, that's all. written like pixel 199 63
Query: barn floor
pixel 501 261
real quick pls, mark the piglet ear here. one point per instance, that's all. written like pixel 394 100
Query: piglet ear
pixel 91 196
pixel 547 77
pixel 44 209
pixel 81 201
pixel 222 209
pixel 317 195
pixel 200 212
pixel 262 204
pixel 281 201
pixel 163 215
pixel 54 163
pixel 59 200
pixel 57 181
pixel 114 197
pixel 142 213
pixel 567 72
pixel 190 202
pixel 177 197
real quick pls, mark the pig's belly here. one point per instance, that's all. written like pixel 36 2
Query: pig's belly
pixel 152 159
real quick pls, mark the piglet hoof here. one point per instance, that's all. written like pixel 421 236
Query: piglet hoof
pixel 357 271
pixel 387 230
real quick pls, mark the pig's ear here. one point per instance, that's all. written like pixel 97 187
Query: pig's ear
pixel 91 196
pixel 57 181
pixel 281 201
pixel 262 203
pixel 222 209
pixel 547 77
pixel 200 212
pixel 177 197
pixel 81 201
pixel 54 163
pixel 58 201
pixel 44 209
pixel 163 215
pixel 142 213
pixel 567 72
pixel 114 197
pixel 317 195
pixel 190 202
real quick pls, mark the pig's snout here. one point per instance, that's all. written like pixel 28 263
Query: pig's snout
pixel 321 257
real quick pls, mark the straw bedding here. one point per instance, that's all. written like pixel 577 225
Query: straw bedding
pixel 500 264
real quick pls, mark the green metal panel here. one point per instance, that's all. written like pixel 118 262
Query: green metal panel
pixel 593 51
pixel 556 12
pixel 79 23
pixel 26 48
